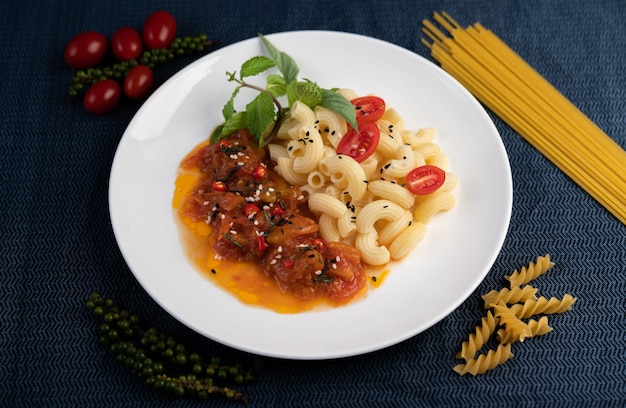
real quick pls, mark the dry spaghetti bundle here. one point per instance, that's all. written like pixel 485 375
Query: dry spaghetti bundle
pixel 520 96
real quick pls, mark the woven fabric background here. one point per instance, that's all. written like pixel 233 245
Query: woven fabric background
pixel 58 246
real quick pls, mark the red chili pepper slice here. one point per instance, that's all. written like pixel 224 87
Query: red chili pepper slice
pixel 218 186
pixel 262 243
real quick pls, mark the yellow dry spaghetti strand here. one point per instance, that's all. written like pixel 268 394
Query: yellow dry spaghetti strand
pixel 513 90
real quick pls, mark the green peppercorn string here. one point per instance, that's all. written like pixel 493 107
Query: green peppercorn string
pixel 180 47
pixel 148 353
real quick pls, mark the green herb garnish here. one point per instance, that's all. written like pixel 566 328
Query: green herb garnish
pixel 264 114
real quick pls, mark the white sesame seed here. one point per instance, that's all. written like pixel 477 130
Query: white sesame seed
pixel 318 272
pixel 273 262
pixel 280 248
pixel 334 266
pixel 233 232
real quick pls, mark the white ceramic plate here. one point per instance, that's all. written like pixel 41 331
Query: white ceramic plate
pixel 438 276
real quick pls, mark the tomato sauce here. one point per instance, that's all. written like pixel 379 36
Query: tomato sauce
pixel 254 235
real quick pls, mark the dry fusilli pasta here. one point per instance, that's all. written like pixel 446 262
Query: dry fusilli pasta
pixel 527 274
pixel 486 362
pixel 543 306
pixel 537 328
pixel 480 336
pixel 515 295
pixel 514 325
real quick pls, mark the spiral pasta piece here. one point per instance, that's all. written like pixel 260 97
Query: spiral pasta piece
pixel 514 295
pixel 514 325
pixel 537 328
pixel 476 340
pixel 486 362
pixel 543 305
pixel 533 271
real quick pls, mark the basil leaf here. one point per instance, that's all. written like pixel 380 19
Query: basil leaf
pixel 277 85
pixel 306 92
pixel 285 64
pixel 236 122
pixel 255 66
pixel 216 134
pixel 341 105
pixel 260 112
pixel 229 109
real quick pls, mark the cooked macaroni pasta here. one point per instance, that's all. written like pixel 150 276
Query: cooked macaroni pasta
pixel 366 204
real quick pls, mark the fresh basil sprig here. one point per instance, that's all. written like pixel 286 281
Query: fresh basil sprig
pixel 265 109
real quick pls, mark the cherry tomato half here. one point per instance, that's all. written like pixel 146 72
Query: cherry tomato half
pixel 360 145
pixel 368 108
pixel 425 179
pixel 159 30
pixel 126 44
pixel 138 81
pixel 85 50
pixel 102 96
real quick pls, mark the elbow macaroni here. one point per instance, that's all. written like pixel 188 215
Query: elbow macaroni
pixel 365 203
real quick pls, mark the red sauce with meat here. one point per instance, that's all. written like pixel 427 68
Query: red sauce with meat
pixel 254 234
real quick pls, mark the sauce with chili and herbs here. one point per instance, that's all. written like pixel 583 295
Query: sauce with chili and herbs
pixel 254 234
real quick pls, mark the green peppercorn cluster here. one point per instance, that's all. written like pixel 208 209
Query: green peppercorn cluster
pixel 150 354
pixel 180 47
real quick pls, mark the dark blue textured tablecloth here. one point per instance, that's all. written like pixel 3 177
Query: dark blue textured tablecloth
pixel 58 246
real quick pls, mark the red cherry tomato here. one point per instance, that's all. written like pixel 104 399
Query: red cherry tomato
pixel 138 81
pixel 159 30
pixel 360 145
pixel 126 44
pixel 85 50
pixel 425 179
pixel 102 96
pixel 368 108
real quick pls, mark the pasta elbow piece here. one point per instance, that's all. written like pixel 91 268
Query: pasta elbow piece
pixel 375 211
pixel 392 191
pixel 371 252
pixel 407 240
pixel 433 204
pixel 325 204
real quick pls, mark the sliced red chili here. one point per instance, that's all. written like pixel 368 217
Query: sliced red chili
pixel 319 244
pixel 250 210
pixel 260 172
pixel 277 210
pixel 262 243
pixel 218 186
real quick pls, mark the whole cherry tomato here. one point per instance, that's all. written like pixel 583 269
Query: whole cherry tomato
pixel 425 179
pixel 102 96
pixel 159 30
pixel 126 44
pixel 360 145
pixel 85 50
pixel 138 81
